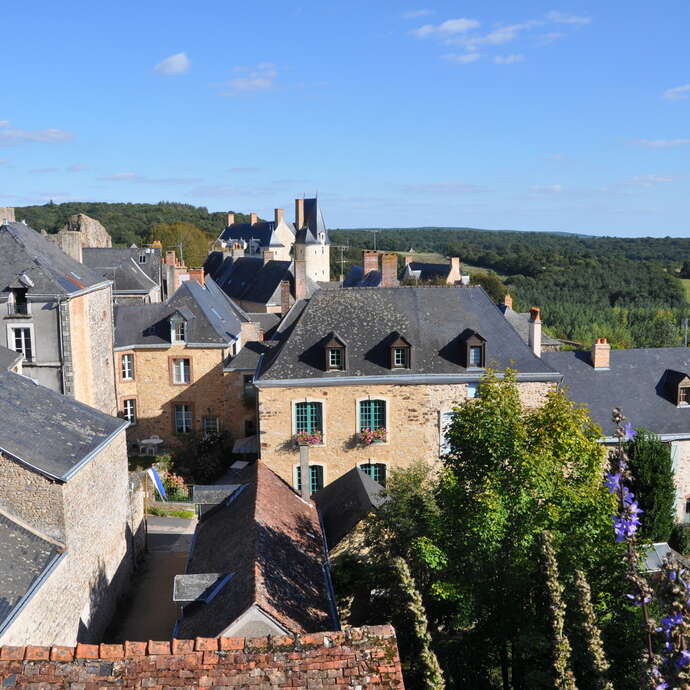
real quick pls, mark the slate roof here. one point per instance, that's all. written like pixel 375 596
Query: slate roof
pixel 247 358
pixel 433 319
pixel 346 501
pixel 636 382
pixel 211 317
pixel 9 358
pixel 357 278
pixel 52 272
pixel 70 432
pixel 263 231
pixel 26 557
pixel 420 270
pixel 270 541
pixel 519 320
pixel 314 224
pixel 121 265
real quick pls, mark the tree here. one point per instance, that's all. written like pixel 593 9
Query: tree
pixel 492 284
pixel 190 243
pixel 653 484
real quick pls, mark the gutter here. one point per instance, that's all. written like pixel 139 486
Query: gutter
pixel 662 437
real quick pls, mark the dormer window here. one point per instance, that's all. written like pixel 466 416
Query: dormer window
pixel 476 356
pixel 335 351
pixel 473 350
pixel 178 330
pixel 684 395
pixel 400 353
pixel 18 306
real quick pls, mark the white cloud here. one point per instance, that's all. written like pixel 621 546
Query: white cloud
pixel 546 188
pixel 10 135
pixel 551 37
pixel 647 180
pixel 175 64
pixel 259 78
pixel 414 14
pixel 678 93
pixel 462 59
pixel 450 27
pixel 509 59
pixel 77 167
pixel 661 143
pixel 561 18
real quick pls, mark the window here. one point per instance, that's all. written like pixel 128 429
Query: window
pixel 183 419
pixel 334 350
pixel 178 330
pixel 210 426
pixel 249 384
pixel 315 476
pixel 181 371
pixel 142 257
pixel 476 356
pixel 400 357
pixel 372 414
pixel 376 470
pixel 22 342
pixel 308 417
pixel 127 367
pixel 400 352
pixel 335 358
pixel 683 395
pixel 17 304
pixel 472 390
pixel 129 410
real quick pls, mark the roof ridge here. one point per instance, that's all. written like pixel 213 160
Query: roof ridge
pixel 33 530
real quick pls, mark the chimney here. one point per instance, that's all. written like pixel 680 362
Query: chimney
pixel 370 261
pixel 534 337
pixel 237 250
pixel 508 301
pixel 284 297
pixel 454 276
pixel 252 218
pixel 300 279
pixel 6 215
pixel 299 214
pixel 170 257
pixel 601 354
pixel 389 270
pixel 279 215
pixel 231 218
pixel 305 472
pixel 196 274
pixel 408 260
pixel 268 256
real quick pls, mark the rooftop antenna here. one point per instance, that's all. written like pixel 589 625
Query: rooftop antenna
pixel 343 248
pixel 375 232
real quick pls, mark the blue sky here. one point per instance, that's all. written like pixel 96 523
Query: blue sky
pixel 533 115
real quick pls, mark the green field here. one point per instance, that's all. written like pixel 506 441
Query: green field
pixel 434 258
pixel 686 287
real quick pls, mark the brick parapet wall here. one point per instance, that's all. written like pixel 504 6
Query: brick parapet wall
pixel 356 658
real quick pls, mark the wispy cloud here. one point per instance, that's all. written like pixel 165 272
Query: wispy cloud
pixel 647 180
pixel 450 27
pixel 142 179
pixel 661 143
pixel 175 64
pixel 544 189
pixel 415 14
pixel 561 18
pixel 462 58
pixel 442 188
pixel 10 136
pixel 551 37
pixel 677 93
pixel 261 77
pixel 509 59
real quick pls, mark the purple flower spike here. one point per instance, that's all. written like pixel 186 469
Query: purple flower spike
pixel 629 431
pixel 613 482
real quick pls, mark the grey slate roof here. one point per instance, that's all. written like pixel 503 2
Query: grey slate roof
pixel 70 432
pixel 314 224
pixel 420 270
pixel 433 319
pixel 636 382
pixel 346 501
pixel 519 320
pixel 26 557
pixel 247 358
pixel 121 265
pixel 261 231
pixel 211 318
pixel 9 358
pixel 23 250
pixel 356 278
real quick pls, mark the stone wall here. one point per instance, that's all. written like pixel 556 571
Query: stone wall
pixel 241 408
pixel 77 600
pixel 413 428
pixel 90 231
pixel 356 659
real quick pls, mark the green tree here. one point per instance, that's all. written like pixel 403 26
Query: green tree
pixel 190 243
pixel 653 484
pixel 492 284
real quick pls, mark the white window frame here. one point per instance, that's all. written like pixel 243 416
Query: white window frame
pixel 340 353
pixel 129 369
pixel 127 414
pixel 205 433
pixel 324 423
pixel 176 321
pixel 178 375
pixel 480 364
pixel 10 338
pixel 405 364
pixel 191 417
pixel 374 461
pixel 388 415
pixel 445 417
pixel 296 467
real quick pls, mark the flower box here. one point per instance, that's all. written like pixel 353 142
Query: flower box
pixel 368 436
pixel 308 438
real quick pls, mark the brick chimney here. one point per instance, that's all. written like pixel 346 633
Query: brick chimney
pixel 454 275
pixel 285 297
pixel 6 215
pixel 268 256
pixel 408 260
pixel 231 218
pixel 170 257
pixel 534 333
pixel 370 261
pixel 196 274
pixel 508 301
pixel 253 218
pixel 389 270
pixel 299 214
pixel 279 215
pixel 601 354
pixel 300 279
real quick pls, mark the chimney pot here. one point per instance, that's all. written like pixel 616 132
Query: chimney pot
pixel 534 331
pixel 601 354
pixel 253 218
pixel 231 218
pixel 535 314
pixel 508 301
pixel 279 215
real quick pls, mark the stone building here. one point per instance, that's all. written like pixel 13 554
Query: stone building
pixel 58 314
pixel 650 385
pixel 80 231
pixel 171 361
pixel 372 376
pixel 66 536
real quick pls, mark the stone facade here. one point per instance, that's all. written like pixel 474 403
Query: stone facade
pixel 90 516
pixel 240 400
pixel 414 424
pixel 81 231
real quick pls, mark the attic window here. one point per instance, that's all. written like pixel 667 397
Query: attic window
pixel 476 356
pixel 684 395
pixel 473 350
pixel 400 353
pixel 178 330
pixel 335 354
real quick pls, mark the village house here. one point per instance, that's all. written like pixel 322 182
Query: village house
pixel 520 321
pixel 58 314
pixel 69 524
pixel 171 361
pixel 257 565
pixel 652 388
pixel 369 377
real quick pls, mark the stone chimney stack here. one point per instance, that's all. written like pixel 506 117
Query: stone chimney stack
pixel 284 297
pixel 370 261
pixel 534 336
pixel 299 214
pixel 6 215
pixel 508 301
pixel 268 256
pixel 231 218
pixel 253 218
pixel 170 258
pixel 454 275
pixel 300 279
pixel 279 215
pixel 408 260
pixel 601 354
pixel 389 270
pixel 237 250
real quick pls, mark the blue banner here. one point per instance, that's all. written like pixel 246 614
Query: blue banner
pixel 155 478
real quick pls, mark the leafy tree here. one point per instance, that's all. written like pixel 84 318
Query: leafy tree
pixel 653 484
pixel 492 284
pixel 203 459
pixel 190 243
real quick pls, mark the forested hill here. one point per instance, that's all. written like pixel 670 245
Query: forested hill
pixel 126 223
